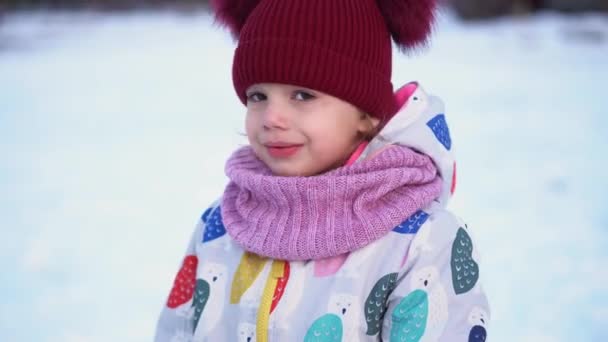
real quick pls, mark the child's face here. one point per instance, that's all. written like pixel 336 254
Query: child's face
pixel 302 132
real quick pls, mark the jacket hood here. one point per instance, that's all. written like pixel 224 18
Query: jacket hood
pixel 420 124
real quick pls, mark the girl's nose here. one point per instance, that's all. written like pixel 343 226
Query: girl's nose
pixel 275 116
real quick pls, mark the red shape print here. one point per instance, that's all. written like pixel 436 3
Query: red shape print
pixel 183 285
pixel 281 284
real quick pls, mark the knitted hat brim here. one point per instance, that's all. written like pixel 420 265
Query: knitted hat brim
pixel 257 61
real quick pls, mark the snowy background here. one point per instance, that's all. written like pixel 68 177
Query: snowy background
pixel 114 129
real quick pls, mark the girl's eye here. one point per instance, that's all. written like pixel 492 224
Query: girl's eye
pixel 303 96
pixel 255 97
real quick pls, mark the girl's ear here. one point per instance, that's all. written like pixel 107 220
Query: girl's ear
pixel 374 121
pixel 233 13
pixel 368 126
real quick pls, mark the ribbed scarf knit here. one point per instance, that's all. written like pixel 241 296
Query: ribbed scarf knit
pixel 316 217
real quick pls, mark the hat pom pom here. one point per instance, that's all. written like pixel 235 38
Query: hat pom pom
pixel 233 13
pixel 410 22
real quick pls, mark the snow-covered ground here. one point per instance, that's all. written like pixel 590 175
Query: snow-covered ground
pixel 114 130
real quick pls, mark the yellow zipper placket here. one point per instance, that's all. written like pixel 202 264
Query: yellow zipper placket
pixel 276 272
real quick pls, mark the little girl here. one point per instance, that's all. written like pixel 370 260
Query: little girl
pixel 334 225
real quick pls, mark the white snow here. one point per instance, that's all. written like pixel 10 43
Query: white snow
pixel 114 129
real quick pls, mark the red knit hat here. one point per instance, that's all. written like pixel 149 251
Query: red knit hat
pixel 340 47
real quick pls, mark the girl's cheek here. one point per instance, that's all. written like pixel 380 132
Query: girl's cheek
pixel 249 120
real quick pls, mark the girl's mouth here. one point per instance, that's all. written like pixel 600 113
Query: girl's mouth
pixel 282 151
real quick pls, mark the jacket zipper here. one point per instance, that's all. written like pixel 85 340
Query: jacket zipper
pixel 263 320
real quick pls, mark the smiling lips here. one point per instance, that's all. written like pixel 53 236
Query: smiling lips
pixel 282 150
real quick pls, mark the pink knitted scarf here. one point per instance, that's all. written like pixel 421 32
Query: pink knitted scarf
pixel 303 218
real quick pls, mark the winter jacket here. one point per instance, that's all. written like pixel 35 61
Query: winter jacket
pixel 420 282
